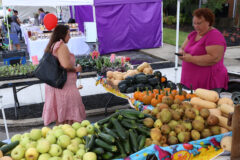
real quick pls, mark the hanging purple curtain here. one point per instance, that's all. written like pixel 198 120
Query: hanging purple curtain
pixel 125 25
pixel 82 14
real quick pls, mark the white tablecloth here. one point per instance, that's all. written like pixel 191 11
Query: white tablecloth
pixel 76 45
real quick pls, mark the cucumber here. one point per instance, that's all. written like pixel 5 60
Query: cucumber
pixel 106 146
pixel 133 112
pixel 86 139
pixel 128 125
pixel 98 150
pixel 133 140
pixel 143 130
pixel 107 155
pixel 107 138
pixel 90 143
pixel 119 128
pixel 129 116
pixel 105 120
pixel 110 132
pixel 8 147
pixel 2 143
pixel 126 144
pixel 120 117
pixel 108 125
pixel 141 142
pixel 121 149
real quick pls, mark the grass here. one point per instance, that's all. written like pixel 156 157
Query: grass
pixel 169 36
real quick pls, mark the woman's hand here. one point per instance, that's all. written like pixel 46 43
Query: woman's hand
pixel 185 56
pixel 78 69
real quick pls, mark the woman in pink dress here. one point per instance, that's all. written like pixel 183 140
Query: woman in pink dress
pixel 63 105
pixel 203 54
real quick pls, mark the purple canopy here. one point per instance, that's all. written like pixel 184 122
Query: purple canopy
pixel 126 25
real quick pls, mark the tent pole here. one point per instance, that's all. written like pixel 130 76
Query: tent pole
pixel 177 39
pixel 94 20
pixel 162 21
pixel 200 4
pixel 234 8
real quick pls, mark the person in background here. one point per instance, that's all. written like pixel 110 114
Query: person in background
pixel 41 15
pixel 203 54
pixel 64 106
pixel 17 20
pixel 36 20
pixel 13 30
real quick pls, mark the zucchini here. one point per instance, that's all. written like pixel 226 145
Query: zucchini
pixel 98 150
pixel 126 144
pixel 2 143
pixel 133 112
pixel 121 149
pixel 128 116
pixel 141 142
pixel 110 132
pixel 90 143
pixel 119 128
pixel 143 130
pixel 120 117
pixel 133 140
pixel 105 120
pixel 108 125
pixel 8 147
pixel 128 125
pixel 107 138
pixel 106 146
pixel 107 155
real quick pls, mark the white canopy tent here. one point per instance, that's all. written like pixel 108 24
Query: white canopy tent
pixel 53 3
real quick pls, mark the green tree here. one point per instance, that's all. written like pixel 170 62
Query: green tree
pixel 215 5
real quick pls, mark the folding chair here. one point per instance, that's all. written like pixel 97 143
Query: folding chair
pixel 4 117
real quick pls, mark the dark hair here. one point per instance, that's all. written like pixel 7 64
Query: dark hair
pixel 206 13
pixel 40 9
pixel 59 33
pixel 47 12
pixel 71 20
pixel 15 11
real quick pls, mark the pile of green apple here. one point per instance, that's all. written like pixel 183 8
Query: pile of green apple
pixel 63 142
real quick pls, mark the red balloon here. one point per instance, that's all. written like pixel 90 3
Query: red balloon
pixel 50 21
pixel 9 9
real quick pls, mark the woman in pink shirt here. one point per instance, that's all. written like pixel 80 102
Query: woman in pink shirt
pixel 203 54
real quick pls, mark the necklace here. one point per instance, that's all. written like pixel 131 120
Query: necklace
pixel 209 28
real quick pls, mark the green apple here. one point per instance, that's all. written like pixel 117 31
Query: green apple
pixel 31 144
pixel 55 158
pixel 85 123
pixel 90 129
pixel 43 146
pixel 16 137
pixel 70 132
pixel 76 125
pixel 73 148
pixel 18 152
pixel 55 150
pixel 64 141
pixel 25 135
pixel 80 153
pixel 51 132
pixel 96 125
pixel 76 141
pixel 31 154
pixel 81 146
pixel 90 156
pixel 35 134
pixel 45 130
pixel 67 152
pixel 81 132
pixel 65 126
pixel 51 138
pixel 44 156
pixel 58 132
pixel 67 157
pixel 24 141
pixel 55 127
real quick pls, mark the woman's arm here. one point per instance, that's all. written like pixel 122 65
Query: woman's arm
pixel 64 58
pixel 213 56
pixel 184 44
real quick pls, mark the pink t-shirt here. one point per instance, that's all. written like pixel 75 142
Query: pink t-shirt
pixel 208 77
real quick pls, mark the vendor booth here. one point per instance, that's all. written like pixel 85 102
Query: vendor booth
pixel 124 25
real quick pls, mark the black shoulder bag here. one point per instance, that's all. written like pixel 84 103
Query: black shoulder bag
pixel 50 71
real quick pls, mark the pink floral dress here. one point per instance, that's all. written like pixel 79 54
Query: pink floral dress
pixel 66 103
